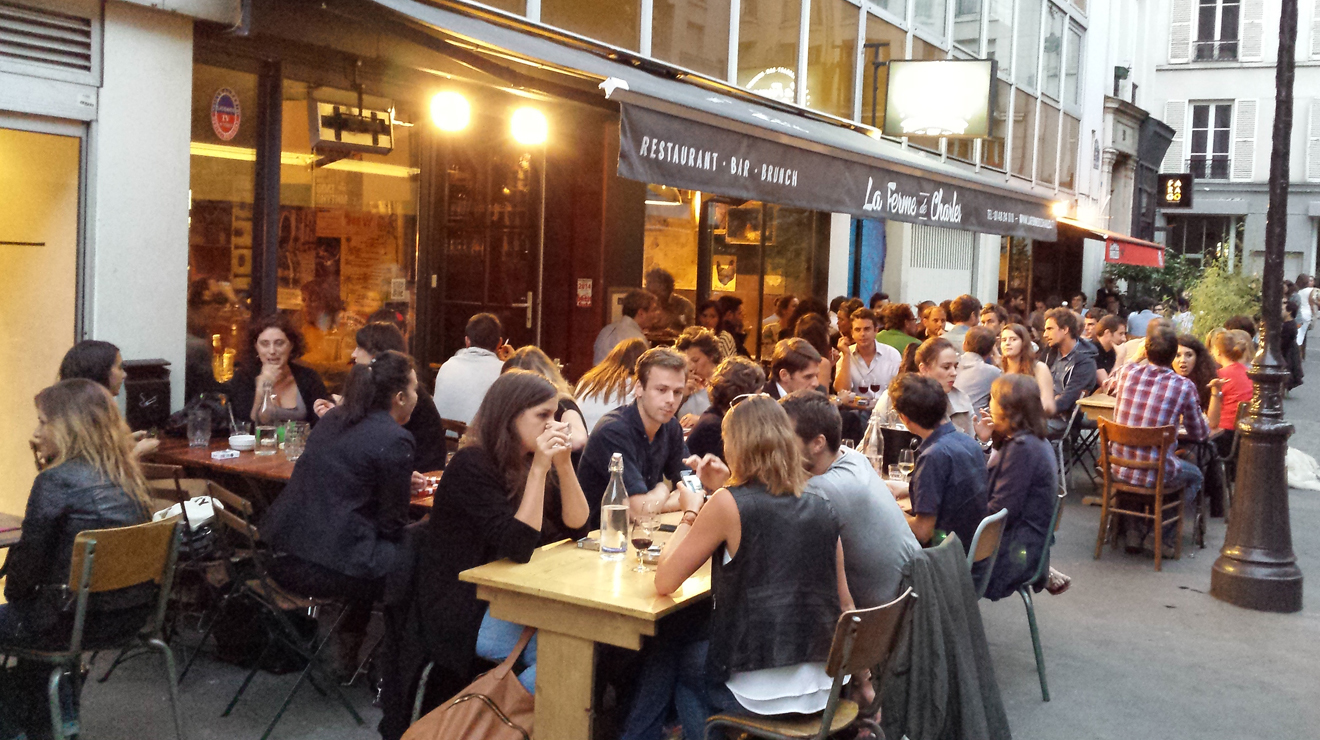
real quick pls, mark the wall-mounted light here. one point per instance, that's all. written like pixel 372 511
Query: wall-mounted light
pixel 1060 208
pixel 450 111
pixel 529 126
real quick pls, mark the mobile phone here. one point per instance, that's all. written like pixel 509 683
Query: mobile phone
pixel 589 543
pixel 668 527
pixel 693 482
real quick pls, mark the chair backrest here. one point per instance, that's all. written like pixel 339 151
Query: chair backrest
pixel 1044 561
pixel 985 543
pixel 164 480
pixel 234 513
pixel 455 426
pixel 864 638
pixel 1112 433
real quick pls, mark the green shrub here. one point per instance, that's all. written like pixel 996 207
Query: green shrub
pixel 1220 294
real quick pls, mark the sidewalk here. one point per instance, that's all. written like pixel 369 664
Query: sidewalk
pixel 1131 653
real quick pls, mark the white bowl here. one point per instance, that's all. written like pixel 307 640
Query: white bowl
pixel 242 441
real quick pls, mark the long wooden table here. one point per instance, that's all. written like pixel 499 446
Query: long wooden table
pixel 1098 406
pixel 577 600
pixel 248 464
pixel 9 530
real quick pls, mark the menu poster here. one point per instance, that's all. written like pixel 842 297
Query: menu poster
pixel 369 262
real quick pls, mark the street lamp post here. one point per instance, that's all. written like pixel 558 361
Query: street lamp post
pixel 1256 568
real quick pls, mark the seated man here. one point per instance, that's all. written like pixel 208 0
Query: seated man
pixel 1152 394
pixel 1071 362
pixel 949 485
pixel 964 313
pixel 1110 334
pixel 646 433
pixel 462 382
pixel 795 366
pixel 641 312
pixel 865 363
pixel 877 542
pixel 976 370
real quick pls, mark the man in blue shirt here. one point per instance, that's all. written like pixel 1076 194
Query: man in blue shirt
pixel 948 486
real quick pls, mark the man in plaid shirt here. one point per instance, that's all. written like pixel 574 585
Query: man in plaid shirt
pixel 1151 394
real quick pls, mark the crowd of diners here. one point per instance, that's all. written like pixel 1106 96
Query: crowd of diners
pixel 983 389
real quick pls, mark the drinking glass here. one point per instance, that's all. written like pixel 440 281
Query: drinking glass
pixel 199 427
pixel 850 444
pixel 907 462
pixel 895 474
pixel 294 441
pixel 875 389
pixel 267 441
pixel 643 533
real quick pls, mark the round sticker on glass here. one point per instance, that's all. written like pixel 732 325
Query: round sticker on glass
pixel 225 114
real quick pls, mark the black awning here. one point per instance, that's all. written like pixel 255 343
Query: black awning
pixel 683 130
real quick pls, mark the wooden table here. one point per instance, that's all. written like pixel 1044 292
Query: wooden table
pixel 10 523
pixel 1098 406
pixel 577 600
pixel 248 464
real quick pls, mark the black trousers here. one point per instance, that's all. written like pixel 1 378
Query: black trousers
pixel 306 578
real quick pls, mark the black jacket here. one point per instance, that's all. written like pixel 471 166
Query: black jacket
pixel 65 500
pixel 242 390
pixel 346 504
pixel 428 434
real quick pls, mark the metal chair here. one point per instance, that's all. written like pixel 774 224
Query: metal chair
pixel 1042 567
pixel 863 639
pixel 985 546
pixel 110 560
pixel 1161 439
pixel 1082 435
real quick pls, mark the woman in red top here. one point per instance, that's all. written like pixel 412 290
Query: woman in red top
pixel 1230 349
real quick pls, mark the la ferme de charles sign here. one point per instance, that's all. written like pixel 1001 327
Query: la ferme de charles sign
pixel 664 149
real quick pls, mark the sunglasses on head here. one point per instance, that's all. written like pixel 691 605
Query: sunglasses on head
pixel 739 399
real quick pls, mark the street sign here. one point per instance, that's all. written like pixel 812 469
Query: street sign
pixel 1174 191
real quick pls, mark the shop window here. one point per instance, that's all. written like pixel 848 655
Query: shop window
pixel 614 22
pixel 672 218
pixel 1072 81
pixel 1053 66
pixel 992 148
pixel 692 34
pixel 831 57
pixel 768 47
pixel 222 170
pixel 1024 133
pixel 1047 158
pixel 999 35
pixel 884 41
pixel 1072 133
pixel 967 25
pixel 1028 44
pixel 931 16
pixel 1206 238
pixel 348 228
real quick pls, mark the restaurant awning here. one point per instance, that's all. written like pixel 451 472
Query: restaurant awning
pixel 684 130
pixel 1119 248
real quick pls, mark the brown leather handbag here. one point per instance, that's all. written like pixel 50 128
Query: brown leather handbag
pixel 493 707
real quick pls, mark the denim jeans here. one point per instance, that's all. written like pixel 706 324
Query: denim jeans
pixel 1192 479
pixel 496 640
pixel 674 672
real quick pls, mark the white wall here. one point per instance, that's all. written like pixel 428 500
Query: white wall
pixel 840 235
pixel 137 241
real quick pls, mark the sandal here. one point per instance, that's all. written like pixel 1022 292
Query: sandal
pixel 1057 582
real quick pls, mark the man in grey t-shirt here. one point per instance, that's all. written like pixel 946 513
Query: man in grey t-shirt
pixel 877 541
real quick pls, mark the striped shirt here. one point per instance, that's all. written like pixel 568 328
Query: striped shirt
pixel 1154 396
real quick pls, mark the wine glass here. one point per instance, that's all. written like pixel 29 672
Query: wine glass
pixel 875 388
pixel 642 535
pixel 907 461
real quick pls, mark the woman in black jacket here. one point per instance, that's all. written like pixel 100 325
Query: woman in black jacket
pixel 268 366
pixel 90 480
pixel 337 526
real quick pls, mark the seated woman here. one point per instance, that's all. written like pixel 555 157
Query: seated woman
pixel 1230 349
pixel 936 358
pixel 708 316
pixel 268 366
pixel 336 527
pixel 1022 480
pixel 1194 362
pixel 736 376
pixel 1017 355
pixel 424 424
pixel 102 362
pixel 490 505
pixel 765 653
pixel 90 481
pixel 609 385
pixel 703 355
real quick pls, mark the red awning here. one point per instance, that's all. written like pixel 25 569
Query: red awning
pixel 1120 248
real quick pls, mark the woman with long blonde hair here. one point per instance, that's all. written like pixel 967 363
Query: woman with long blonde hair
pixel 89 480
pixel 777 574
pixel 609 384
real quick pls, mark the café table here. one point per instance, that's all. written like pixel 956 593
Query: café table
pixel 9 530
pixel 578 600
pixel 1098 406
pixel 248 464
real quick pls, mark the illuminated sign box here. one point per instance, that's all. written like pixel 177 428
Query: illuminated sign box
pixel 1174 191
pixel 951 98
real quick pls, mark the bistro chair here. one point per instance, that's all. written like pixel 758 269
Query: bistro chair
pixel 108 560
pixel 274 601
pixel 863 639
pixel 1082 436
pixel 1042 568
pixel 985 547
pixel 1161 498
pixel 454 431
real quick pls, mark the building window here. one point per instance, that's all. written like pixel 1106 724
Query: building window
pixel 1206 238
pixel 884 41
pixel 1053 66
pixel 692 34
pixel 999 37
pixel 1072 81
pixel 1048 158
pixel 992 148
pixel 1024 133
pixel 931 16
pixel 513 6
pixel 614 22
pixel 1217 30
pixel 1211 136
pixel 1028 43
pixel 967 25
pixel 1072 133
pixel 896 8
pixel 768 48
pixel 831 57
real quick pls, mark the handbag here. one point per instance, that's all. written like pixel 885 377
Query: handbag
pixel 493 707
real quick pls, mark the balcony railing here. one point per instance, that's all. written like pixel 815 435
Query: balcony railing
pixel 1225 50
pixel 1209 167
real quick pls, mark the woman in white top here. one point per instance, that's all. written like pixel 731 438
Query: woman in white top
pixel 1018 356
pixel 936 358
pixel 609 385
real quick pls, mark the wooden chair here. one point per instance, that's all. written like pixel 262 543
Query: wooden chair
pixel 863 639
pixel 985 546
pixel 109 560
pixel 457 428
pixel 1163 499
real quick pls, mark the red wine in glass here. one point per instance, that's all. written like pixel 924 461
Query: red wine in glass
pixel 875 387
pixel 641 543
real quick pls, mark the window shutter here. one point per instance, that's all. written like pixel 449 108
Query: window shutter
pixel 1315 30
pixel 1180 30
pixel 1313 143
pixel 1253 30
pixel 1175 113
pixel 1244 140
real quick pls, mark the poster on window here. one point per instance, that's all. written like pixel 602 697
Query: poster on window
pixel 724 272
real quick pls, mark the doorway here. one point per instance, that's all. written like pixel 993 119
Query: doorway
pixel 39 200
